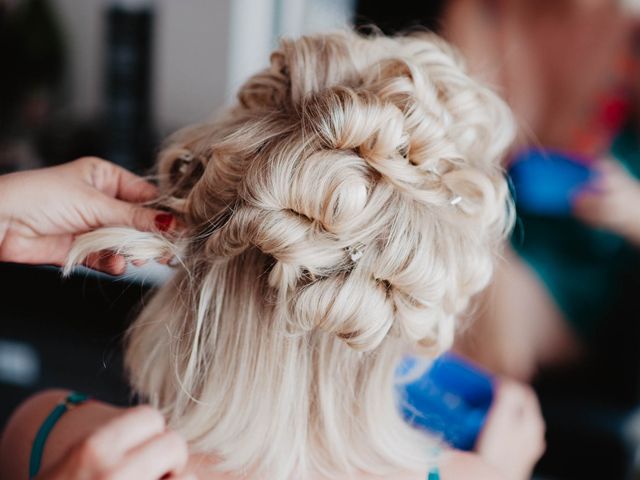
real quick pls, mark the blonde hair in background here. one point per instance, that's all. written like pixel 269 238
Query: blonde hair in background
pixel 339 216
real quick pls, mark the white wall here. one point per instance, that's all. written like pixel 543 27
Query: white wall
pixel 190 57
pixel 191 60
pixel 203 49
pixel 84 28
pixel 257 25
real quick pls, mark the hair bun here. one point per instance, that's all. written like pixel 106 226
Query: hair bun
pixel 342 141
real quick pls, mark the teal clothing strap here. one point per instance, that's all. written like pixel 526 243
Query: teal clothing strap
pixel 434 474
pixel 72 400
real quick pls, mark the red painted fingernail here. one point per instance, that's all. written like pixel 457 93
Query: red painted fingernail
pixel 163 221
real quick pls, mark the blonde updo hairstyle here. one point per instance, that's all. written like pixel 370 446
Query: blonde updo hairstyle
pixel 339 216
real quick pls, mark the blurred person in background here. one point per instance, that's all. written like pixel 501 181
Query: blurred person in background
pixel 560 282
pixel 569 69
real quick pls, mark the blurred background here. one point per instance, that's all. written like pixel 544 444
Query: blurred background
pixel 113 78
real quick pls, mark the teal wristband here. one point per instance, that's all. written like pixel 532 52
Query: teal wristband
pixel 35 461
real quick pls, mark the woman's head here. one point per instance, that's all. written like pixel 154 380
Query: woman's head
pixel 341 214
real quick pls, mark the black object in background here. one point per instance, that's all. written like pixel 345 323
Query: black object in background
pixel 31 55
pixel 69 331
pixel 399 15
pixel 128 85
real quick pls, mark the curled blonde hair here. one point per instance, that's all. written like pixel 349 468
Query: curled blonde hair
pixel 340 215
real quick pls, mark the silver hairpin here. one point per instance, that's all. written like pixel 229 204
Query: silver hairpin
pixel 185 159
pixel 356 251
pixel 455 200
pixel 433 171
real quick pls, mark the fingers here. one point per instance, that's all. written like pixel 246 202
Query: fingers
pixel 520 409
pixel 123 191
pixel 112 263
pixel 133 445
pixel 136 426
pixel 164 454
pixel 120 213
pixel 54 249
pixel 50 249
pixel 513 435
pixel 116 181
pixel 532 422
pixel 516 399
pixel 132 188
pixel 107 262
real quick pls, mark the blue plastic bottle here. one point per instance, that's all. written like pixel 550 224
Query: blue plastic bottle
pixel 451 399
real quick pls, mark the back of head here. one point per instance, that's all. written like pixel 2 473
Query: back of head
pixel 341 214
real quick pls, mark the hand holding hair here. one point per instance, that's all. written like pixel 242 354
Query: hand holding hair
pixel 135 444
pixel 42 211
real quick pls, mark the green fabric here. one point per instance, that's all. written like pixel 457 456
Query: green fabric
pixel 579 265
pixel 37 449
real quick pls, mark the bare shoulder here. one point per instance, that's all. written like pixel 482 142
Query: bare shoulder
pixel 457 465
pixel 22 427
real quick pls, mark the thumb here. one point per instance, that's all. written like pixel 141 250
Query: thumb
pixel 120 213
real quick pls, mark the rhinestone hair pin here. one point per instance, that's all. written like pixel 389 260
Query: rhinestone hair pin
pixel 455 200
pixel 185 159
pixel 356 251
